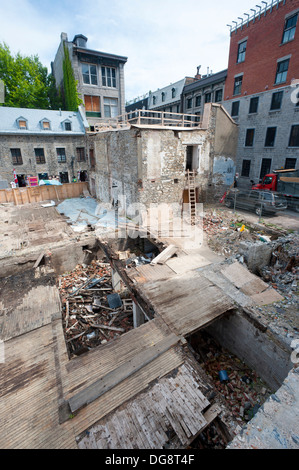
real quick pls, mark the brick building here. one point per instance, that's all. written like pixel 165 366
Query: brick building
pixel 100 77
pixel 42 143
pixel 260 90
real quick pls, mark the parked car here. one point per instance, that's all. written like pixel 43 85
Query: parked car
pixel 261 202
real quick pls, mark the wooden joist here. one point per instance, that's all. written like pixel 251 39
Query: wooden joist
pixel 110 380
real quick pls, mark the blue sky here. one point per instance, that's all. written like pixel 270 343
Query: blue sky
pixel 164 40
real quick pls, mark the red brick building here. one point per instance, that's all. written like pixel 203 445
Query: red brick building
pixel 260 91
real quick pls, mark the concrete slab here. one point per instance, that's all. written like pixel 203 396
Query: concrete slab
pixel 267 297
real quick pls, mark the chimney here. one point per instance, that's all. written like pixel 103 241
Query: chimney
pixel 198 75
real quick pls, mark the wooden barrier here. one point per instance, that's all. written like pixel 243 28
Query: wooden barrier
pixel 29 195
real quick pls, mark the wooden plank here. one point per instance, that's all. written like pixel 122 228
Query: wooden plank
pixel 119 374
pixel 165 255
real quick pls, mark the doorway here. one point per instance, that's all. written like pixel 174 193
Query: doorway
pixel 21 181
pixel 64 177
pixel 192 160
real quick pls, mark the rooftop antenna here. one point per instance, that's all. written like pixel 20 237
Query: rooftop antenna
pixel 254 14
pixel 247 14
pixel 265 3
pixel 259 11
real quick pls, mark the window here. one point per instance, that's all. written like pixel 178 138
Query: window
pixel 163 95
pixel 294 137
pixel 241 52
pixel 46 125
pixel 290 163
pixel 110 107
pixel 80 154
pixel 189 103
pixel 235 108
pixel 67 126
pixel 208 97
pixel 282 71
pixel 89 73
pixel 246 168
pixel 197 118
pixel 109 77
pixel 173 93
pixel 39 156
pixel 265 167
pixel 253 106
pixel 154 99
pixel 289 29
pixel 92 105
pixel 218 96
pixel 270 137
pixel 276 100
pixel 22 124
pixel 198 101
pixel 61 157
pixel 249 137
pixel 238 85
pixel 16 156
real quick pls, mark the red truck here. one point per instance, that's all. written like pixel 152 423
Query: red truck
pixel 285 182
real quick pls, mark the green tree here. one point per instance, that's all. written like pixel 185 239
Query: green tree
pixel 70 92
pixel 26 80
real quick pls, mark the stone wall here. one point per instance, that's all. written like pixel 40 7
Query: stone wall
pixel 28 143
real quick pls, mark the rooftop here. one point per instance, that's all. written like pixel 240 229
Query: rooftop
pixel 33 120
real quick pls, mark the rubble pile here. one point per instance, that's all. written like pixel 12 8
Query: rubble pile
pixel 92 313
pixel 225 233
pixel 243 391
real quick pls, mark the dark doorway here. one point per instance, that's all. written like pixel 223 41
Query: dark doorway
pixel 189 158
pixel 21 181
pixel 43 176
pixel 64 177
pixel 83 176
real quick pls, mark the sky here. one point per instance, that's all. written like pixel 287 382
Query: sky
pixel 164 40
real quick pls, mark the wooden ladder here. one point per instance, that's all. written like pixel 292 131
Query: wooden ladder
pixel 192 195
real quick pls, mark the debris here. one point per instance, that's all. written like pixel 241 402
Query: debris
pixel 164 255
pixel 88 318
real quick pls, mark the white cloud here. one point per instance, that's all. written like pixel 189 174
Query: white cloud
pixel 164 40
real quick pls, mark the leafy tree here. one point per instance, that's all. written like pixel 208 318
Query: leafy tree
pixel 70 92
pixel 26 80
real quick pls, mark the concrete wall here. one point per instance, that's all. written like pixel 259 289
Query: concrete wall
pixel 257 348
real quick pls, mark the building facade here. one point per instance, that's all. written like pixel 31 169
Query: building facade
pixel 100 78
pixel 206 89
pixel 261 90
pixel 148 165
pixel 44 144
pixel 168 99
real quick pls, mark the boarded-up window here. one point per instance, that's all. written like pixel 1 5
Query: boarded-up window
pixel 92 103
pixel 22 124
pixel 46 125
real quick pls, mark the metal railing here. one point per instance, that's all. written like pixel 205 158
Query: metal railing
pixel 143 117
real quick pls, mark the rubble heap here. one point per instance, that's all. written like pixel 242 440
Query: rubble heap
pixel 92 313
pixel 243 391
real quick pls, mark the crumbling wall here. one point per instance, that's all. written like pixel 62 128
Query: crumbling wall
pixel 255 345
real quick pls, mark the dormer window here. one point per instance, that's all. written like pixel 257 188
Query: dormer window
pixel 163 96
pixel 67 126
pixel 22 123
pixel 173 93
pixel 154 99
pixel 45 125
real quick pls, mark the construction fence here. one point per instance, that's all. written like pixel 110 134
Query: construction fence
pixel 28 195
